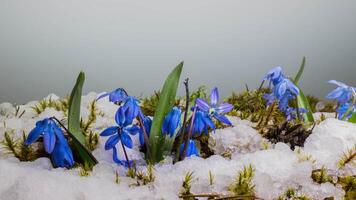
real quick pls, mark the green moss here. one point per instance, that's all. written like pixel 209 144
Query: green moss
pixel 321 176
pixel 59 105
pixel 242 184
pixel 18 149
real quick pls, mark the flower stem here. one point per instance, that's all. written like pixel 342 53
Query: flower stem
pixel 125 153
pixel 181 136
pixel 189 133
pixel 145 136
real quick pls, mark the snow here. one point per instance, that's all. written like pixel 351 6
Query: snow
pixel 276 168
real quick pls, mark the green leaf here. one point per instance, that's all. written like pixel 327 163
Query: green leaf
pixel 166 100
pixel 353 118
pixel 83 154
pixel 304 103
pixel 301 99
pixel 300 72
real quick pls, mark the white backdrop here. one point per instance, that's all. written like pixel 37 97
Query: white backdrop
pixel 134 44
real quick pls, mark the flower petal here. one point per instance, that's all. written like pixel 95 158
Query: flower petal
pixel 49 140
pixel 214 97
pixel 126 140
pixel 223 119
pixel 338 83
pixel 120 117
pixel 132 130
pixel 109 131
pixel 202 104
pixel 112 141
pixel 224 108
pixel 336 93
pixel 34 135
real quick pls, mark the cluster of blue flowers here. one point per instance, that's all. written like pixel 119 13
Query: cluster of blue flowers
pixel 130 110
pixel 343 94
pixel 284 90
pixel 55 144
pixel 124 117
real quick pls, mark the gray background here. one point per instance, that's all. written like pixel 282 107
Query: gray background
pixel 134 44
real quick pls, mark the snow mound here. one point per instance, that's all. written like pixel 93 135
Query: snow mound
pixel 330 139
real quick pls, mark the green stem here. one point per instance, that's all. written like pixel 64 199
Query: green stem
pixel 189 133
pixel 181 136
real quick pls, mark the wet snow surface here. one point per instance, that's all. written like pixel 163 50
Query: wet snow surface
pixel 276 166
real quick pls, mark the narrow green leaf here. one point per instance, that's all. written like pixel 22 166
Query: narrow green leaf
pixel 300 72
pixel 304 103
pixel 353 118
pixel 165 103
pixel 74 109
pixel 301 99
pixel 74 123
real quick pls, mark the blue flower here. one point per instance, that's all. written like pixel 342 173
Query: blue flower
pixel 43 128
pixel 147 122
pixel 120 132
pixel 129 110
pixel 171 121
pixel 192 150
pixel 283 91
pixel 54 142
pixel 202 122
pixel 342 93
pixel 115 96
pixel 215 110
pixel 275 76
pixel 343 108
pixel 285 86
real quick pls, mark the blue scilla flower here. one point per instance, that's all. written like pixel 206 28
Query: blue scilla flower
pixel 343 109
pixel 122 131
pixel 54 142
pixel 171 121
pixel 147 122
pixel 192 150
pixel 46 129
pixel 115 96
pixel 342 93
pixel 215 110
pixel 275 76
pixel 283 87
pixel 130 109
pixel 202 122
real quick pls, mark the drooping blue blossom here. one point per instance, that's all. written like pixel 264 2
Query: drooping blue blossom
pixel 43 128
pixel 275 76
pixel 54 142
pixel 342 93
pixel 171 121
pixel 122 131
pixel 202 122
pixel 213 109
pixel 116 96
pixel 192 150
pixel 283 91
pixel 343 109
pixel 147 123
pixel 130 109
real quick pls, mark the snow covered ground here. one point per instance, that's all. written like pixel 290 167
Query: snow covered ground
pixel 276 166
